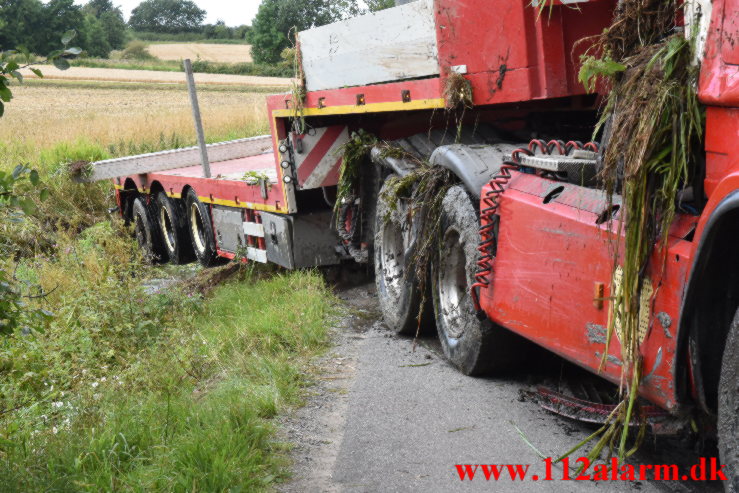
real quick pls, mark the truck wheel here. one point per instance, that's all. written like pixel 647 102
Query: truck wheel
pixel 728 408
pixel 147 232
pixel 472 345
pixel 397 289
pixel 173 225
pixel 201 231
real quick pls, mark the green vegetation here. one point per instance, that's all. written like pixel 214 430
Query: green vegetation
pixel 153 38
pixel 656 127
pixel 105 382
pixel 167 16
pixel 199 66
pixel 36 26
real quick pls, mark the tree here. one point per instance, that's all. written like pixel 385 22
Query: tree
pixel 23 24
pixel 375 5
pixel 94 38
pixel 276 18
pixel 167 16
pixel 59 17
pixel 111 22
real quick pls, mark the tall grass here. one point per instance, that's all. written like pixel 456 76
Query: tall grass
pixel 199 66
pixel 172 395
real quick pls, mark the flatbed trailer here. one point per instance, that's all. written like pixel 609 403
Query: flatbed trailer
pixel 547 272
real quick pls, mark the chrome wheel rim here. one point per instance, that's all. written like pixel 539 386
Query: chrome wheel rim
pixel 393 258
pixel 196 227
pixel 166 224
pixel 453 288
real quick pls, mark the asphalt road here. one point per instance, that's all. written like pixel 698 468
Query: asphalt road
pixel 385 416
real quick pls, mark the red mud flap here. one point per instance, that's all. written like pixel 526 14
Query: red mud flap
pixel 660 421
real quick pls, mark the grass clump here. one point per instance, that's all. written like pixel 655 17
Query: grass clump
pixel 136 50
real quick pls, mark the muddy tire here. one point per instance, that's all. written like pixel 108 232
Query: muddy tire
pixel 147 232
pixel 200 227
pixel 475 347
pixel 728 408
pixel 173 225
pixel 397 289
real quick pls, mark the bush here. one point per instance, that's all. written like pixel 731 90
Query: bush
pixel 137 50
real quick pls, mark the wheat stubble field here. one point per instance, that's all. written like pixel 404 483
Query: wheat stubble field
pixel 225 53
pixel 126 117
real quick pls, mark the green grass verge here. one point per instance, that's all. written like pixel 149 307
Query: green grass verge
pixel 154 38
pixel 199 66
pixel 181 399
pixel 151 86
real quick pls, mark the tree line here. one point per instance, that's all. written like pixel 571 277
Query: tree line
pixel 36 26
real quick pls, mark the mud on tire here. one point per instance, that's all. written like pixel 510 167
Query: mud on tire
pixel 147 232
pixel 200 226
pixel 475 347
pixel 397 289
pixel 172 220
pixel 728 408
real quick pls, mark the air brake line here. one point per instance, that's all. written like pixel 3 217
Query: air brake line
pixel 491 203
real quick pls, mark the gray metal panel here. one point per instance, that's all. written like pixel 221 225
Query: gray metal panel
pixel 177 158
pixel 393 44
pixel 278 237
pixel 315 240
pixel 229 223
pixel 475 165
pixel 300 241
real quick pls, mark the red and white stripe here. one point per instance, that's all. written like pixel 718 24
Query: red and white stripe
pixel 319 162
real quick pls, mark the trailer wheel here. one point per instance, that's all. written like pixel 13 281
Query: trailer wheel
pixel 728 408
pixel 397 289
pixel 201 231
pixel 173 225
pixel 147 232
pixel 472 345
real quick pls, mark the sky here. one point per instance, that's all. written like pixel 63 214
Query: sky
pixel 232 12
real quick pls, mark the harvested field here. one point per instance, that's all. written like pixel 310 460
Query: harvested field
pixel 107 114
pixel 148 76
pixel 225 53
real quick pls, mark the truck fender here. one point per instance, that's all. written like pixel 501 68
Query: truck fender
pixel 709 304
pixel 474 165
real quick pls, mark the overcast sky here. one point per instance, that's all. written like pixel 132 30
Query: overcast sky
pixel 232 12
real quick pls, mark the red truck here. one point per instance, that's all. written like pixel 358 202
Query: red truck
pixel 545 273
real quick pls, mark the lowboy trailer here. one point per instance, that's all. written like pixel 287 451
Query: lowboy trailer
pixel 546 272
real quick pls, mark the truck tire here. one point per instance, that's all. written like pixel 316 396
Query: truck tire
pixel 173 225
pixel 200 227
pixel 475 347
pixel 397 289
pixel 728 408
pixel 147 232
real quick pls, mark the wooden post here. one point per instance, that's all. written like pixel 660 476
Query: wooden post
pixel 196 116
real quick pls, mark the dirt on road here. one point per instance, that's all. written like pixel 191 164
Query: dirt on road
pixel 386 416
